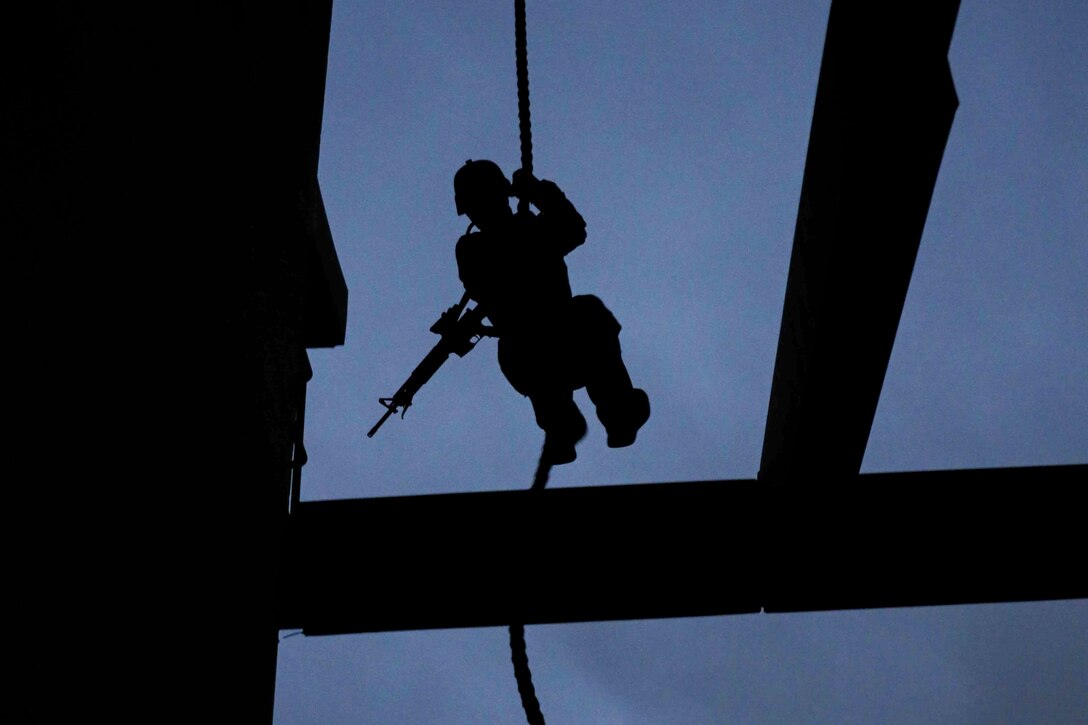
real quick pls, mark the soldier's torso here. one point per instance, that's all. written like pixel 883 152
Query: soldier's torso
pixel 519 277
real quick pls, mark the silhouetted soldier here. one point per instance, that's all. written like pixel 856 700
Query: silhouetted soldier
pixel 550 342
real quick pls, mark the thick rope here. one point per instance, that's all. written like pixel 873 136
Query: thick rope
pixel 540 480
pixel 525 678
pixel 525 125
pixel 518 655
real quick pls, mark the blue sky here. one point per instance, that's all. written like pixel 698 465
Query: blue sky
pixel 679 130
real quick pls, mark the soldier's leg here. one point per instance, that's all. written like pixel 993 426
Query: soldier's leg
pixel 621 407
pixel 562 423
pixel 532 374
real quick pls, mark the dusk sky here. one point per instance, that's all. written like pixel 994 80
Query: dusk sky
pixel 679 130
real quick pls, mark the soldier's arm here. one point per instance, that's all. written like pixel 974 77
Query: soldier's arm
pixel 561 221
pixel 468 266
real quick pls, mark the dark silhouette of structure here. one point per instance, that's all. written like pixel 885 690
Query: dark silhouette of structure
pixel 551 342
pixel 809 533
pixel 722 547
pixel 176 263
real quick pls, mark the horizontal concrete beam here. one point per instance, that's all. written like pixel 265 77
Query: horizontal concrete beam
pixel 684 549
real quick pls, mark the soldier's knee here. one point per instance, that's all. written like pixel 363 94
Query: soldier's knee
pixel 593 317
pixel 515 367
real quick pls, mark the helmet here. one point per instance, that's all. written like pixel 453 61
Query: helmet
pixel 476 180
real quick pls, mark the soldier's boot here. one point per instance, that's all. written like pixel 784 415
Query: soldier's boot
pixel 624 417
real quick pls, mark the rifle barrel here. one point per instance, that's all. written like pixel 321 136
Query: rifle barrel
pixel 457 337
pixel 388 412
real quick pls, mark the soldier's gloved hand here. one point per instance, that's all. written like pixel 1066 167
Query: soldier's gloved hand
pixel 524 185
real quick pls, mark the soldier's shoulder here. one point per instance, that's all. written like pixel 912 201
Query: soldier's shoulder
pixel 469 244
pixel 469 240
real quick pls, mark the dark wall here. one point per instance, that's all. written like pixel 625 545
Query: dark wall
pixel 171 262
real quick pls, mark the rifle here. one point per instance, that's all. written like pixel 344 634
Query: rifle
pixel 460 333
